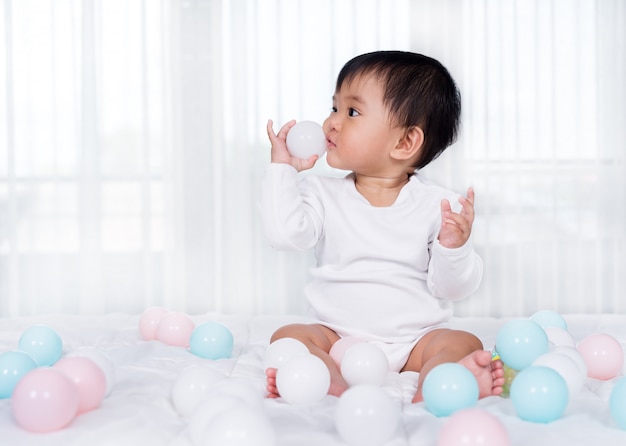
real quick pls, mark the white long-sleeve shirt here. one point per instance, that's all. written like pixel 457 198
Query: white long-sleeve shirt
pixel 381 274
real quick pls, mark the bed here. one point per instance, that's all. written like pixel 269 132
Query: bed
pixel 138 408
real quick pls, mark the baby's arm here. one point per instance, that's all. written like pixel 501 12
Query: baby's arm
pixel 291 212
pixel 455 270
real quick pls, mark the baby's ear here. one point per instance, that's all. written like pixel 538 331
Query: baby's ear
pixel 409 145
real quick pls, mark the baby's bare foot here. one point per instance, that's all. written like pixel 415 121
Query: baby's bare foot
pixel 489 374
pixel 272 390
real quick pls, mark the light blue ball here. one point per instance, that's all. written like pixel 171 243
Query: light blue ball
pixel 211 340
pixel 42 343
pixel 549 318
pixel 539 394
pixel 449 387
pixel 520 341
pixel 617 403
pixel 13 366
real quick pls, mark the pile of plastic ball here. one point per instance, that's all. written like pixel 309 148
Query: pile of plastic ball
pixel 544 367
pixel 218 409
pixel 48 390
pixel 365 413
pixel 210 340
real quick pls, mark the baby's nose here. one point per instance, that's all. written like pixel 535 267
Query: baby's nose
pixel 331 123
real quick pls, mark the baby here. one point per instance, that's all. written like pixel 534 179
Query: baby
pixel 393 250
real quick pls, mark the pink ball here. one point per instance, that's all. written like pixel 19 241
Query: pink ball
pixel 45 400
pixel 339 348
pixel 88 378
pixel 175 329
pixel 603 356
pixel 149 322
pixel 473 427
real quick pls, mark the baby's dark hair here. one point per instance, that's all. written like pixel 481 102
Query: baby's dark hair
pixel 417 91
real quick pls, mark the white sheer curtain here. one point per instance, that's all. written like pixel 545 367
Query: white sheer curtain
pixel 132 143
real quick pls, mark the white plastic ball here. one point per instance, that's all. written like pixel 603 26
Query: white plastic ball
pixel 281 351
pixel 204 414
pixel 306 139
pixel 566 367
pixel 192 387
pixel 573 354
pixel 366 416
pixel 303 380
pixel 364 363
pixel 340 347
pixel 243 389
pixel 557 336
pixel 240 426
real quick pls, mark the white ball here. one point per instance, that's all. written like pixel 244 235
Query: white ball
pixel 557 336
pixel 573 354
pixel 306 139
pixel 566 367
pixel 364 363
pixel 303 380
pixel 244 389
pixel 366 416
pixel 213 406
pixel 281 351
pixel 192 387
pixel 340 347
pixel 240 426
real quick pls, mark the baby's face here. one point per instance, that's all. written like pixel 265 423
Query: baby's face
pixel 359 132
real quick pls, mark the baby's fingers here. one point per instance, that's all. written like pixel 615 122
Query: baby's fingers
pixel 468 205
pixel 282 133
pixel 445 207
pixel 470 195
pixel 270 129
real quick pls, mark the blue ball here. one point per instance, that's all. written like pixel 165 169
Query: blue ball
pixel 449 387
pixel 520 341
pixel 42 343
pixel 211 340
pixel 13 366
pixel 617 403
pixel 549 318
pixel 539 394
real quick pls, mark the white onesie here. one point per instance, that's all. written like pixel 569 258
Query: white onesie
pixel 381 275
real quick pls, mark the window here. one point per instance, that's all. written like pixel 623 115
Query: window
pixel 132 142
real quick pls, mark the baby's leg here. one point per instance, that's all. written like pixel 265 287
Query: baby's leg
pixel 319 340
pixel 440 346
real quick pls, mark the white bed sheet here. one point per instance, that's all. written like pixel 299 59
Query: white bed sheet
pixel 138 409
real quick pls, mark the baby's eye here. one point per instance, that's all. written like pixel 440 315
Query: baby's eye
pixel 352 112
pixel 333 109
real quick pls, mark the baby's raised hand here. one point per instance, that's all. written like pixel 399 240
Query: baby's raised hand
pixel 456 227
pixel 280 154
